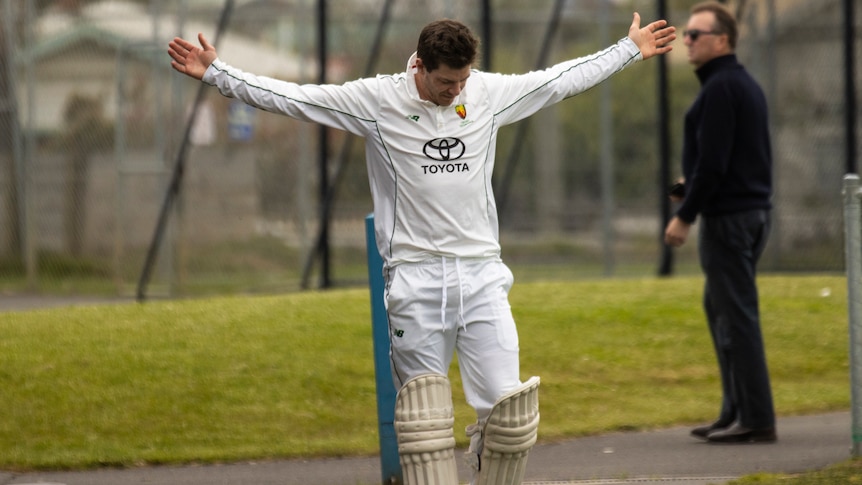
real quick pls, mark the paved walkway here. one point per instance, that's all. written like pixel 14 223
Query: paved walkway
pixel 668 457
pixel 24 302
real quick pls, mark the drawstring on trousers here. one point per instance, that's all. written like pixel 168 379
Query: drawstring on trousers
pixel 462 323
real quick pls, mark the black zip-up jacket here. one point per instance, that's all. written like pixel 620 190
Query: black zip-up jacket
pixel 726 156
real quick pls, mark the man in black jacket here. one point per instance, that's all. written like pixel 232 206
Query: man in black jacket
pixel 727 170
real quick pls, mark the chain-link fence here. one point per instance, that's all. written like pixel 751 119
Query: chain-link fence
pixel 795 48
pixel 92 121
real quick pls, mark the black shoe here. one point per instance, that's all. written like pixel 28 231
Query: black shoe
pixel 701 432
pixel 740 434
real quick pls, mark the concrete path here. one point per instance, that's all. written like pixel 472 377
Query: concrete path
pixel 668 457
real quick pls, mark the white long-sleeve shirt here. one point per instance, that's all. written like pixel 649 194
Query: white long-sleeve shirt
pixel 429 166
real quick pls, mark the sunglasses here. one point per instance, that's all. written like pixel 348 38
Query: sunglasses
pixel 694 33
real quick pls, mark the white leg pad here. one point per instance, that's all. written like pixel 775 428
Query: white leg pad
pixel 509 434
pixel 424 420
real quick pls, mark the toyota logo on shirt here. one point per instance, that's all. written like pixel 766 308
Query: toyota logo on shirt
pixel 444 149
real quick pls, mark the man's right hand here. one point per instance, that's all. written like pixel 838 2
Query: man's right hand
pixel 190 59
pixel 676 232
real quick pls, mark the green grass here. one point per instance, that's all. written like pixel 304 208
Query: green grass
pixel 845 473
pixel 225 379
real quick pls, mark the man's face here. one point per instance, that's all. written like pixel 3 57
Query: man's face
pixel 706 44
pixel 442 85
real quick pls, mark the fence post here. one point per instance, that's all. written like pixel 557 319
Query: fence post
pixel 389 463
pixel 853 262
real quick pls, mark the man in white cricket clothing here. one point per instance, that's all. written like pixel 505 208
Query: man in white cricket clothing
pixel 430 142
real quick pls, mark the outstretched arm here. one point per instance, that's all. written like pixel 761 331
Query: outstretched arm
pixel 654 38
pixel 190 59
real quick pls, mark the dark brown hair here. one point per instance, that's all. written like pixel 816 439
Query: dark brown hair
pixel 725 22
pixel 447 42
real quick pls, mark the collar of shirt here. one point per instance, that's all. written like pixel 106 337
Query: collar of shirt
pixel 717 64
pixel 411 78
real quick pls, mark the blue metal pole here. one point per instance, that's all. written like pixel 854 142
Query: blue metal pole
pixel 389 463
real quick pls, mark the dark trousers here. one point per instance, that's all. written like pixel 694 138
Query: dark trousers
pixel 729 247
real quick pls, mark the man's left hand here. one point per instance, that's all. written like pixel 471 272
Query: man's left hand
pixel 653 39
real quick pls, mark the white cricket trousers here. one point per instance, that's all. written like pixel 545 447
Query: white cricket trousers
pixel 443 305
